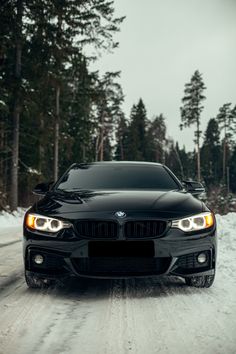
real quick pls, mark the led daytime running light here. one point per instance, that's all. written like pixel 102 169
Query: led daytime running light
pixel 43 223
pixel 194 223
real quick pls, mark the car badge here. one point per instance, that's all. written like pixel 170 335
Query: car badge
pixel 120 214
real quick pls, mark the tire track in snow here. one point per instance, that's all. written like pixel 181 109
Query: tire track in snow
pixel 9 243
pixel 120 316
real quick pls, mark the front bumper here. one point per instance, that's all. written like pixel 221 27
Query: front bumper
pixel 174 254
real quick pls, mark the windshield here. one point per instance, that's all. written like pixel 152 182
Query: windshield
pixel 113 177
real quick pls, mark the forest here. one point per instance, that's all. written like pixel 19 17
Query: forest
pixel 54 110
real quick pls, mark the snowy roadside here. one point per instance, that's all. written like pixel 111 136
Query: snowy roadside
pixel 136 316
pixel 226 230
pixel 11 226
pixel 11 219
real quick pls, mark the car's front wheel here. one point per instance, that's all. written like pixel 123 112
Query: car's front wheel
pixel 203 281
pixel 35 282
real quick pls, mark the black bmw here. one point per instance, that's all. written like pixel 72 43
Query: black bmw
pixel 118 220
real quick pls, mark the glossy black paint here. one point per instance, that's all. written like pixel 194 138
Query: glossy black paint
pixel 67 249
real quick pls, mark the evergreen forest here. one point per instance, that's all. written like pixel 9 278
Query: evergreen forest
pixel 54 110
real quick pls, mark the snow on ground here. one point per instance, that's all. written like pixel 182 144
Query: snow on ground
pixel 135 316
pixel 11 226
pixel 11 219
pixel 226 226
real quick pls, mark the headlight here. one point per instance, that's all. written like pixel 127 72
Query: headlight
pixel 43 223
pixel 194 223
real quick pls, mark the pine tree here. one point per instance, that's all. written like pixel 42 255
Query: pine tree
pixel 43 41
pixel 227 122
pixel 211 153
pixel 232 169
pixel 156 140
pixel 17 102
pixel 77 129
pixel 109 97
pixel 173 158
pixel 136 145
pixel 7 54
pixel 191 110
pixel 121 139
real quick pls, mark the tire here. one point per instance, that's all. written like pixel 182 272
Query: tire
pixel 34 282
pixel 203 281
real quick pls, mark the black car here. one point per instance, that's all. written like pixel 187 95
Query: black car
pixel 118 220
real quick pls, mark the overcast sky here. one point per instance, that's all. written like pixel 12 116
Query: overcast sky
pixel 162 42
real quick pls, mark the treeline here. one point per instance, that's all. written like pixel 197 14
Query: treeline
pixel 214 163
pixel 54 110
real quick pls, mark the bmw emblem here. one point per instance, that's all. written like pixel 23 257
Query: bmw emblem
pixel 120 214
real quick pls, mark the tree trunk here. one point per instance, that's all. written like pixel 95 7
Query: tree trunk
pixel 102 140
pixel 56 133
pixel 224 160
pixel 198 163
pixel 100 146
pixel 84 152
pixel 179 161
pixel 228 180
pixel 198 154
pixel 58 58
pixel 163 151
pixel 224 156
pixel 96 148
pixel 2 141
pixel 122 157
pixel 16 109
pixel 41 144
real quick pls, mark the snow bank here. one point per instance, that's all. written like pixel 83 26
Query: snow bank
pixel 226 224
pixel 226 231
pixel 12 219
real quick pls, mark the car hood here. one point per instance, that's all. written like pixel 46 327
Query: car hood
pixel 163 203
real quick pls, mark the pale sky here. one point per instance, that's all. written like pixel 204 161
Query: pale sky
pixel 162 42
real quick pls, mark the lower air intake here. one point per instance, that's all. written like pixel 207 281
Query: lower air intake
pixel 121 266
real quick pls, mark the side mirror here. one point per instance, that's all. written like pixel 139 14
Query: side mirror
pixel 193 187
pixel 42 188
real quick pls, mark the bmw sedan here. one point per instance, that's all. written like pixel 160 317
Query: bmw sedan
pixel 119 220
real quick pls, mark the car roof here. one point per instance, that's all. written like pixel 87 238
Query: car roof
pixel 119 163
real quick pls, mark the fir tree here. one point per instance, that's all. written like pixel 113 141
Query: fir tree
pixel 227 122
pixel 136 144
pixel 211 153
pixel 173 159
pixel 121 139
pixel 156 140
pixel 191 110
pixel 109 97
pixel 42 41
pixel 17 100
pixel 232 171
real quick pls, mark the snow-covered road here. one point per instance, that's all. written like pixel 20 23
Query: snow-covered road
pixel 118 316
